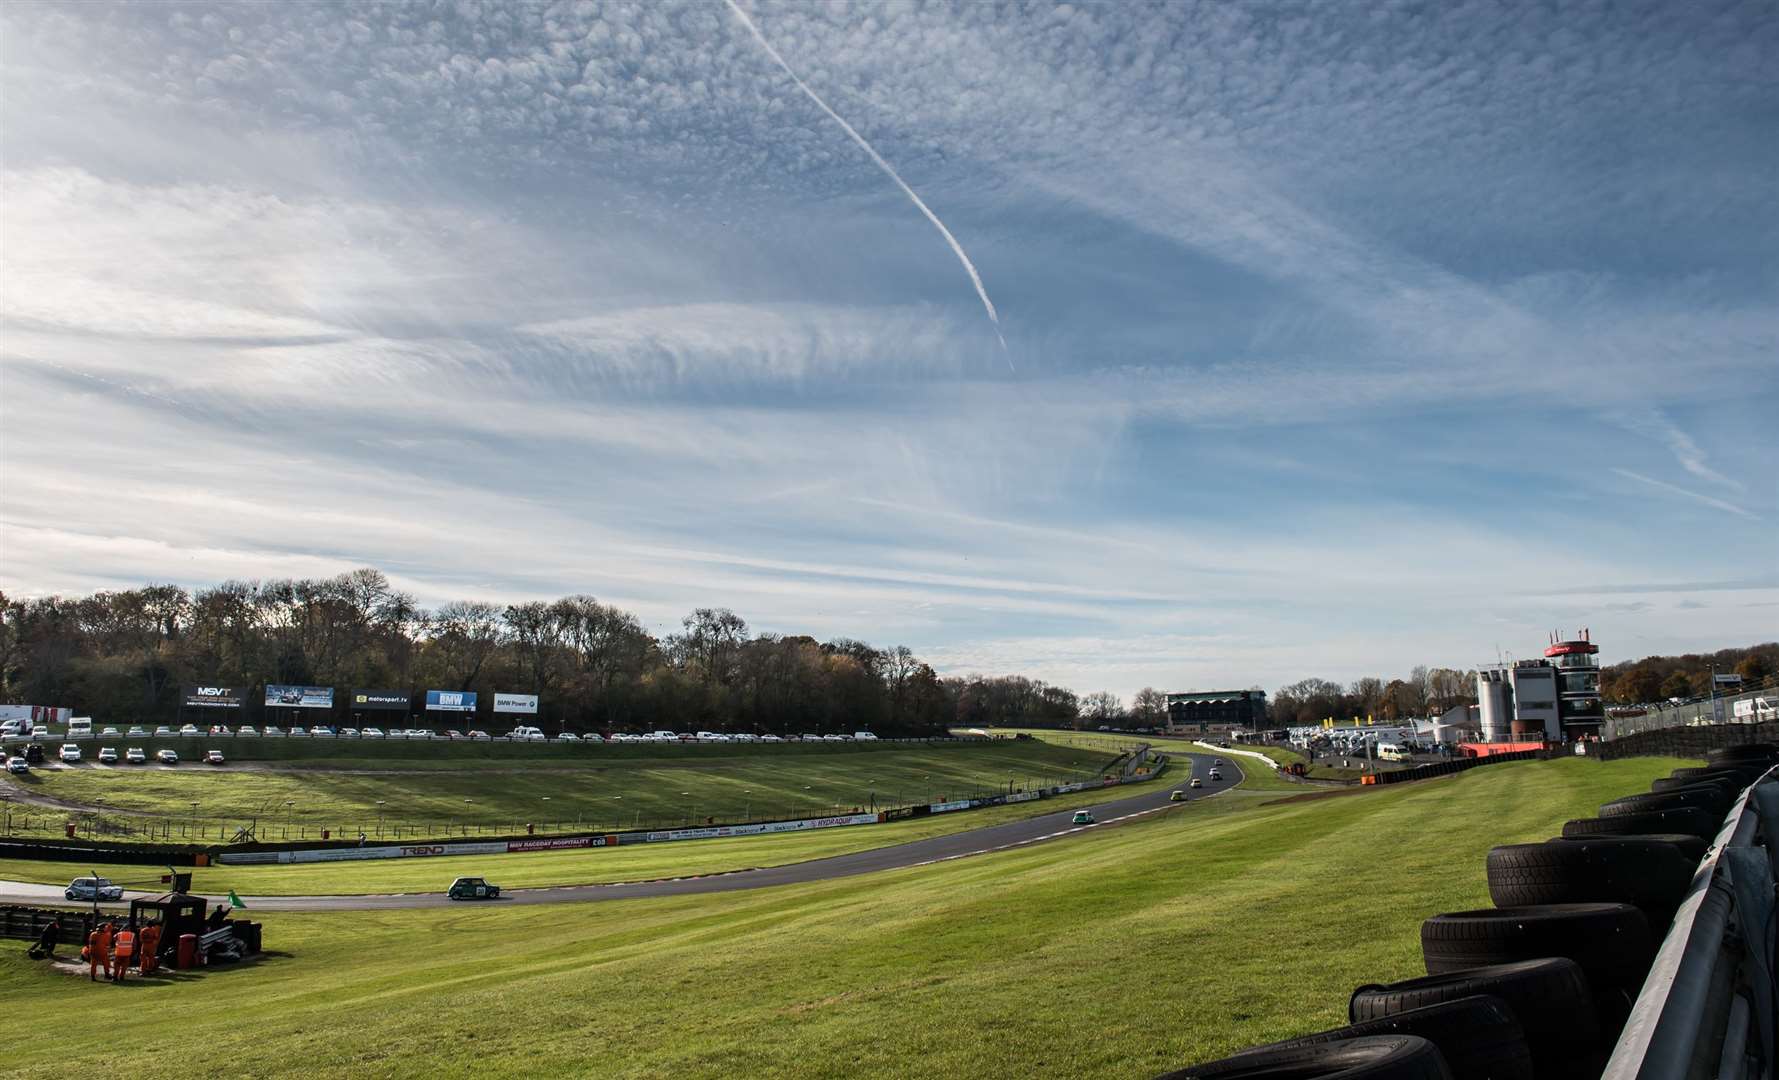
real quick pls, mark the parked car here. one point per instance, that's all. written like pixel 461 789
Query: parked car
pixel 348 733
pixel 34 753
pixel 70 753
pixel 273 731
pixel 137 731
pixel 770 738
pixel 478 735
pixel 109 733
pixel 220 729
pixel 1082 817
pixel 472 888
pixel 568 736
pixel 453 733
pixel 864 736
pixel 163 732
pixel 17 765
pixel 322 732
pixel 108 755
pixel 166 757
pixel 299 733
pixel 371 733
pixel 93 888
pixel 213 757
pixel 189 731
pixel 247 730
pixel 135 756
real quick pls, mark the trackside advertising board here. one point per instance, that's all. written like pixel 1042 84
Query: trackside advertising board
pixel 418 851
pixel 299 697
pixel 451 700
pixel 214 697
pixel 515 703
pixel 716 831
pixel 386 700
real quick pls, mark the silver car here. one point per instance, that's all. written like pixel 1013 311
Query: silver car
pixel 93 888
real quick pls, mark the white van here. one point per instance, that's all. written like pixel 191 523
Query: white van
pixel 14 727
pixel 526 734
pixel 80 727
pixel 863 736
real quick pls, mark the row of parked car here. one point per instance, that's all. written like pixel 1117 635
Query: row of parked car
pixel 518 734
pixel 32 754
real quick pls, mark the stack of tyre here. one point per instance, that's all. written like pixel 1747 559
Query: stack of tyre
pixel 1539 986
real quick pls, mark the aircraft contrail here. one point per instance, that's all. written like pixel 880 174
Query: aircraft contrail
pixel 957 248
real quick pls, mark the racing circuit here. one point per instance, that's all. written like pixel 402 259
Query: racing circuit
pixel 980 841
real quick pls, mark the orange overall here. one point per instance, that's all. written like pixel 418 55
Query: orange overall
pixel 98 952
pixel 125 951
pixel 151 947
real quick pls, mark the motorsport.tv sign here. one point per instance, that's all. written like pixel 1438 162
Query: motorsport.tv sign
pixel 389 700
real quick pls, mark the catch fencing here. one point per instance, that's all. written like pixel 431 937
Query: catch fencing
pixel 1755 705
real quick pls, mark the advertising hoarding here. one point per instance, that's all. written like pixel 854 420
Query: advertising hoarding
pixel 451 700
pixel 515 703
pixel 214 697
pixel 299 697
pixel 387 700
pixel 716 831
pixel 37 714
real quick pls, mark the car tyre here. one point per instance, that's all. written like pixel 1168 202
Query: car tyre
pixel 1666 784
pixel 1549 997
pixel 1382 1057
pixel 1710 799
pixel 1479 1037
pixel 1652 874
pixel 1691 820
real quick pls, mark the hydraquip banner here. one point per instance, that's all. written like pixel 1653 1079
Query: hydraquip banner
pixel 388 700
pixel 299 697
pixel 716 831
pixel 214 697
pixel 515 703
pixel 451 700
pixel 418 851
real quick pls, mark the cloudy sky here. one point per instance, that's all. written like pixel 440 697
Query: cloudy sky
pixel 1338 337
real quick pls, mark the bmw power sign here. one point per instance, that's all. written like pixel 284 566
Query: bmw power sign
pixel 451 700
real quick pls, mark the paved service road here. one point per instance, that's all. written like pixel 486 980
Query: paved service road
pixel 896 856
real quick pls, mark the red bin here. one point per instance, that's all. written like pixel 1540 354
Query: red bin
pixel 188 952
pixel 69 826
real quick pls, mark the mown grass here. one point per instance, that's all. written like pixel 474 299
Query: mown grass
pixel 619 794
pixel 1119 953
pixel 536 869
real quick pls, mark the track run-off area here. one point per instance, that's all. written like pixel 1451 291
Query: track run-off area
pixel 978 841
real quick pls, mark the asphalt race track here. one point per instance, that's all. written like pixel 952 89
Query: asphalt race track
pixel 896 856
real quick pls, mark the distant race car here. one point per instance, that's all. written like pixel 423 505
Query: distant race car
pixel 1216 774
pixel 1177 796
pixel 472 888
pixel 1082 817
pixel 90 888
pixel 1196 782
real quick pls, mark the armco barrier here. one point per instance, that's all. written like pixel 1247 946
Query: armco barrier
pixel 1708 1005
pixel 100 851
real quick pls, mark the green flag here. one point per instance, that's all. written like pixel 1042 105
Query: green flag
pixel 235 901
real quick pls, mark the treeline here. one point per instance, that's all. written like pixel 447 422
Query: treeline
pixel 1424 692
pixel 125 655
pixel 1658 678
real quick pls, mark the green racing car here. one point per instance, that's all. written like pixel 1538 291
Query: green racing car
pixel 472 888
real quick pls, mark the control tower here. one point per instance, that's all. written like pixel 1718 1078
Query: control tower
pixel 1578 685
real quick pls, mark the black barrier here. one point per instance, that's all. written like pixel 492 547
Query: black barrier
pixel 1447 768
pixel 91 851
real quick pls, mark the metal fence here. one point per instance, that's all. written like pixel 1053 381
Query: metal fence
pixel 1756 704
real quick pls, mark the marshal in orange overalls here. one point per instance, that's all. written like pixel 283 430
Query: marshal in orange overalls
pixel 124 951
pixel 98 952
pixel 151 947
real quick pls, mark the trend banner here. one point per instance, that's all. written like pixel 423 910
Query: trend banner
pixel 299 697
pixel 213 697
pixel 451 700
pixel 515 703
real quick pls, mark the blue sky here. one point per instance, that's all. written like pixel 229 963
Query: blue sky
pixel 1338 338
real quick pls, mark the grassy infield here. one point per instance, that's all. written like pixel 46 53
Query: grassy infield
pixel 636 790
pixel 1121 954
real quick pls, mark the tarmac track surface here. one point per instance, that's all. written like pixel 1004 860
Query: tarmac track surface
pixel 1035 830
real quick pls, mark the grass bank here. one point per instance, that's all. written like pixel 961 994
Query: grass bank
pixel 628 793
pixel 1119 953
